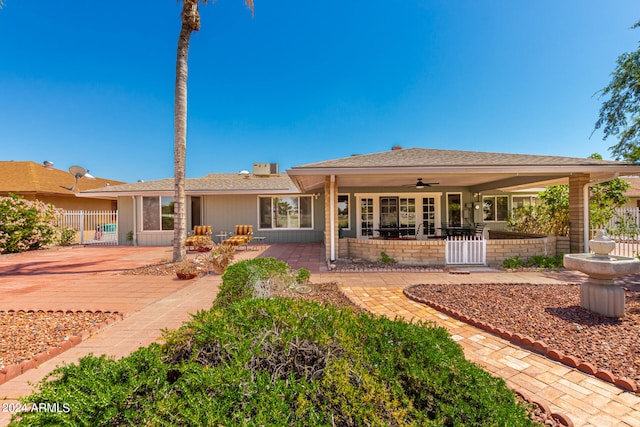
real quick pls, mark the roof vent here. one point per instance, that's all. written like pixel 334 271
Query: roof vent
pixel 396 147
pixel 47 164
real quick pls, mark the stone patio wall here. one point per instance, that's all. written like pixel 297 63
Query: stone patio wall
pixel 432 252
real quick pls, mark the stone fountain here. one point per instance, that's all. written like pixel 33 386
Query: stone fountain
pixel 600 293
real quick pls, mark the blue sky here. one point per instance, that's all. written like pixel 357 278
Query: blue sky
pixel 91 83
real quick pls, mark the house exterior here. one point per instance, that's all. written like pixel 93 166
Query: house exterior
pixel 633 193
pixel 416 192
pixel 35 181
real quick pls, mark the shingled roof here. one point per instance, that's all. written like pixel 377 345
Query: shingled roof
pixel 421 157
pixel 217 183
pixel 26 177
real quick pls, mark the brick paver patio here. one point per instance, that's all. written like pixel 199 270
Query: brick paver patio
pixel 84 279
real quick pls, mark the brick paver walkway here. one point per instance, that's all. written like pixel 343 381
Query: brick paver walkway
pixel 84 279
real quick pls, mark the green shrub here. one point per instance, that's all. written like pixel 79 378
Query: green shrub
pixel 302 276
pixel 386 258
pixel 541 261
pixel 67 236
pixel 513 263
pixel 100 391
pixel 239 278
pixel 282 362
pixel 26 224
pixel 536 261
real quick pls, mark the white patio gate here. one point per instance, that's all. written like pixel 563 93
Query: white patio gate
pixel 92 227
pixel 624 229
pixel 466 250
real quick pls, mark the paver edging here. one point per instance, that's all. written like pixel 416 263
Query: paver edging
pixel 13 370
pixel 545 410
pixel 527 342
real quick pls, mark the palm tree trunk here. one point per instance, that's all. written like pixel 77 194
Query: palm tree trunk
pixel 190 23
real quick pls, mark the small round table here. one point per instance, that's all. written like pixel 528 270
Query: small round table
pixel 259 240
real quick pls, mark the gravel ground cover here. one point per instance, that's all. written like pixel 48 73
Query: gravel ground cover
pixel 25 334
pixel 551 313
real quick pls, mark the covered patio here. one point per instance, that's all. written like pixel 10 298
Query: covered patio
pixel 424 190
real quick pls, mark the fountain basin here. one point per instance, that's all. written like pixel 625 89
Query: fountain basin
pixel 599 293
pixel 605 267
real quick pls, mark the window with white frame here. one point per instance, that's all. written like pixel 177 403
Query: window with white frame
pixel 454 209
pixel 343 211
pixel 290 212
pixel 495 208
pixel 366 216
pixel 157 213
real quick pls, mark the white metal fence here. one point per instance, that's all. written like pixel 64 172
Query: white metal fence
pixel 466 250
pixel 92 227
pixel 624 229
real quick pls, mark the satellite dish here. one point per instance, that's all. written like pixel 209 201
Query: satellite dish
pixel 78 172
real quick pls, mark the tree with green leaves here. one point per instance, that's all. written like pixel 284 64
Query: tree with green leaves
pixel 620 113
pixel 551 214
pixel 190 20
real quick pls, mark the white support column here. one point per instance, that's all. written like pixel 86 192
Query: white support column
pixel 332 216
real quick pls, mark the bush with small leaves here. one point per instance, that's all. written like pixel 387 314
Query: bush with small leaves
pixel 283 362
pixel 239 278
pixel 26 224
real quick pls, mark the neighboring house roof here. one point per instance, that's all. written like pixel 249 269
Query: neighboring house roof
pixel 480 171
pixel 26 177
pixel 220 183
pixel 634 191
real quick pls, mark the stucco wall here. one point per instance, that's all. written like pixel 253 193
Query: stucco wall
pixel 73 203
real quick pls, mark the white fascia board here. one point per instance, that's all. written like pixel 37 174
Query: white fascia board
pixel 470 169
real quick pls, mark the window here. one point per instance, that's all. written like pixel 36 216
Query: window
pixel 366 216
pixel 157 213
pixel 454 209
pixel 343 211
pixel 429 216
pixel 407 216
pixel 495 208
pixel 285 212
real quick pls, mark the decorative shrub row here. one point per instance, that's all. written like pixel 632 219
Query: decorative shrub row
pixel 536 261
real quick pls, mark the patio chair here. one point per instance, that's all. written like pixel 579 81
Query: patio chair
pixel 201 236
pixel 479 230
pixel 242 236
